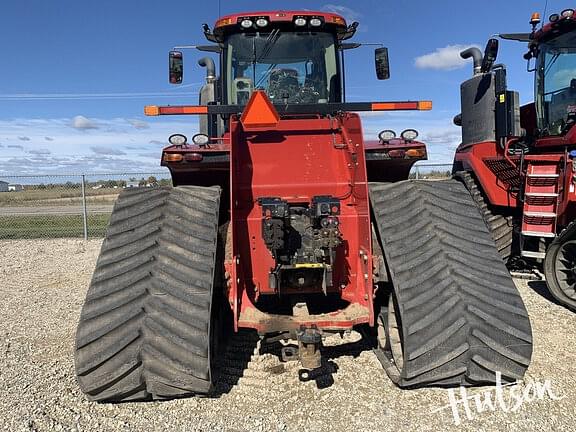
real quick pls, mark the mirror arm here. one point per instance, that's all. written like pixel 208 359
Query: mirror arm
pixel 206 48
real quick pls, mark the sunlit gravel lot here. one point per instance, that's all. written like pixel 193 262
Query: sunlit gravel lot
pixel 42 287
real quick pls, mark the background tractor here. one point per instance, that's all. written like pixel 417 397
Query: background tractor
pixel 286 223
pixel 518 162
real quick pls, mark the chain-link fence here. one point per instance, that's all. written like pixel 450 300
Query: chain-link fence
pixel 64 205
pixel 431 171
pixel 80 205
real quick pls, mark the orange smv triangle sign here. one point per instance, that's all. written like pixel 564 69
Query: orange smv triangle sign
pixel 259 112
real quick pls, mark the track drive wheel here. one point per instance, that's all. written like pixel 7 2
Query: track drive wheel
pixel 147 329
pixel 560 267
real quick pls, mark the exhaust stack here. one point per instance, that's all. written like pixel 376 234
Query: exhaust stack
pixel 476 55
pixel 208 63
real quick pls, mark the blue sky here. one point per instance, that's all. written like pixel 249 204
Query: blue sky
pixel 75 75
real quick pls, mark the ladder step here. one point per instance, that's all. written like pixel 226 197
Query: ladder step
pixel 538 234
pixel 532 254
pixel 540 214
pixel 542 175
pixel 541 194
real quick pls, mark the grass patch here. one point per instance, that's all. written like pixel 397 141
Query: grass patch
pixel 57 196
pixel 52 226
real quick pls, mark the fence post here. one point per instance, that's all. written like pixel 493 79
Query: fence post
pixel 417 172
pixel 84 211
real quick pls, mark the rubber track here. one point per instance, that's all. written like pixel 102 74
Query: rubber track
pixel 501 227
pixel 144 330
pixel 462 317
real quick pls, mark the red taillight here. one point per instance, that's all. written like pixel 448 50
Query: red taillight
pixel 396 153
pixel 193 157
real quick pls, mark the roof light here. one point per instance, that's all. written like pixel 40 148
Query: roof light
pixel 535 18
pixel 300 22
pixel 261 22
pixel 566 13
pixel 409 134
pixel 387 135
pixel 338 20
pixel 246 23
pixel 315 22
pixel 177 139
pixel 200 139
pixel 224 22
pixel 554 17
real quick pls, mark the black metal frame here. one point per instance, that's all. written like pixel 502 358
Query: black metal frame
pixel 321 109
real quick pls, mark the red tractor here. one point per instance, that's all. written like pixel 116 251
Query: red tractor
pixel 284 222
pixel 518 162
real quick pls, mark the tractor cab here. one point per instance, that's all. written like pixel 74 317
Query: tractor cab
pixel 552 57
pixel 294 58
pixel 555 84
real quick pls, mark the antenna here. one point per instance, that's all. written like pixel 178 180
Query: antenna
pixel 543 15
pixel 219 13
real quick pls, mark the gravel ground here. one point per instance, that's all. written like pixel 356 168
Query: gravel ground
pixel 42 287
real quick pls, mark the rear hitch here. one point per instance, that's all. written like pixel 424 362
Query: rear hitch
pixel 309 343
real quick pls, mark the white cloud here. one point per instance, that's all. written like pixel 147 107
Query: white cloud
pixel 450 136
pixel 153 155
pixel 81 122
pixel 103 150
pixel 71 148
pixel 446 58
pixel 139 124
pixel 349 15
pixel 75 165
pixel 39 152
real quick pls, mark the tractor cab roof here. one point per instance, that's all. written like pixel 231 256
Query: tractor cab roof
pixel 558 25
pixel 287 20
pixel 553 29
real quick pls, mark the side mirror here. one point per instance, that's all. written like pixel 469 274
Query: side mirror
pixel 176 67
pixel 382 64
pixel 490 54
